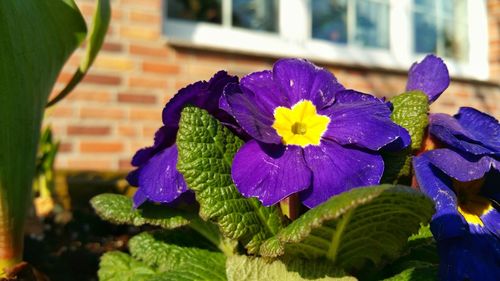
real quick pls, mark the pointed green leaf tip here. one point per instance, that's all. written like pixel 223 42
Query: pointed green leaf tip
pixel 410 110
pixel 257 269
pixel 360 227
pixel 118 209
pixel 206 150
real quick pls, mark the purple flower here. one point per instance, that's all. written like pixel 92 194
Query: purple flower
pixel 156 175
pixel 310 134
pixel 429 76
pixel 463 179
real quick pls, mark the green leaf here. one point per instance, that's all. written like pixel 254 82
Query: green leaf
pixel 206 150
pixel 118 209
pixel 364 226
pixel 423 273
pixel 410 111
pixel 421 251
pixel 118 266
pixel 257 269
pixel 175 262
pixel 100 24
pixel 37 37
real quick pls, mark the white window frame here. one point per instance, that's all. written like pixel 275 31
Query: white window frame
pixel 293 39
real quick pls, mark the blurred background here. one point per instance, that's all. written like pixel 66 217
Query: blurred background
pixel 154 47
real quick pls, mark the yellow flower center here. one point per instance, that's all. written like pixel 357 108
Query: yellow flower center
pixel 300 125
pixel 470 204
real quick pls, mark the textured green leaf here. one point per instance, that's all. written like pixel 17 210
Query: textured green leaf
pixel 364 226
pixel 424 273
pixel 118 266
pixel 99 27
pixel 410 111
pixel 257 269
pixel 206 150
pixel 421 251
pixel 118 209
pixel 176 262
pixel 36 39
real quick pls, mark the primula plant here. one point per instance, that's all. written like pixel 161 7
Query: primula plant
pixel 287 175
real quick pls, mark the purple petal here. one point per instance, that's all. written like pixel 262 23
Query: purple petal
pixel 159 179
pixel 265 91
pixel 460 166
pixel 449 131
pixel 270 172
pixel 337 169
pixel 139 198
pixel 429 76
pixel 481 126
pixel 491 221
pixel 302 80
pixel 471 257
pixel 202 94
pixel 163 138
pixel 250 112
pixel 447 221
pixel 364 121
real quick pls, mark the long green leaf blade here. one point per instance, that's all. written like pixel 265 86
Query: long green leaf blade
pixel 37 37
pixel 99 27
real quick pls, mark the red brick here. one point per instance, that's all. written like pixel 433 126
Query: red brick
pixel 162 68
pixel 153 17
pixel 91 165
pixel 159 51
pixel 102 113
pixel 127 131
pixel 101 146
pixel 124 164
pixel 65 147
pixel 102 79
pixel 89 130
pixel 112 47
pixel 128 97
pixel 145 114
pixel 82 94
pixel 150 83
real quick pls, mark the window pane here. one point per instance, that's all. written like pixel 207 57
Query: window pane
pixel 372 24
pixel 425 30
pixel 195 10
pixel 256 14
pixel 440 27
pixel 329 20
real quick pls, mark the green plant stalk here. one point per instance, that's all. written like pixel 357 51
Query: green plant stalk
pixel 212 234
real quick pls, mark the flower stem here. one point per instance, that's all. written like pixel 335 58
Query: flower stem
pixel 290 206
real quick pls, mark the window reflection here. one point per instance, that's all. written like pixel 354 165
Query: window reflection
pixel 440 27
pixel 255 14
pixel 359 22
pixel 195 10
pixel 329 20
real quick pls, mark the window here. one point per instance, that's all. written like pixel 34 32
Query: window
pixel 440 27
pixel 251 14
pixel 374 33
pixel 359 22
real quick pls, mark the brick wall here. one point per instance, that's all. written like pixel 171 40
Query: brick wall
pixel 117 108
pixel 494 37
